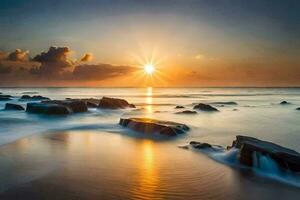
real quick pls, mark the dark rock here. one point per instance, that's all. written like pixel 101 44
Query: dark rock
pixel 225 103
pixel 5 98
pixel 199 145
pixel 284 103
pixel 56 107
pixel 11 106
pixel 47 108
pixel 187 112
pixel 75 106
pixel 33 98
pixel 298 108
pixel 205 107
pixel 235 109
pixel 178 107
pixel 250 147
pixel 91 105
pixel 113 103
pixel 151 126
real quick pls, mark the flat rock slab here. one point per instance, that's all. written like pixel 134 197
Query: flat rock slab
pixel 75 106
pixel 152 126
pixel 114 103
pixel 286 158
pixel 11 106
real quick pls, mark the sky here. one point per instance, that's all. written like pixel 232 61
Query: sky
pixel 191 43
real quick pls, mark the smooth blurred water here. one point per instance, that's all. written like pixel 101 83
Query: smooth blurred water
pixel 134 165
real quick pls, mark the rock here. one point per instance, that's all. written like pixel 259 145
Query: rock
pixel 151 126
pixel 11 106
pixel 57 107
pixel 33 98
pixel 47 108
pixel 178 107
pixel 298 108
pixel 284 103
pixel 75 106
pixel 199 145
pixel 91 105
pixel 225 103
pixel 113 103
pixel 187 112
pixel 205 107
pixel 235 109
pixel 5 97
pixel 250 148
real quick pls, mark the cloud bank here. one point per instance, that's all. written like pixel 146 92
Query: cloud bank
pixel 54 66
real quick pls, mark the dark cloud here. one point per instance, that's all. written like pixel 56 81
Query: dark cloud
pixel 101 71
pixel 87 57
pixel 54 61
pixel 18 55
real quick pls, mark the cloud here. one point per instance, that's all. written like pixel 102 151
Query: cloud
pixel 87 57
pixel 101 71
pixel 54 61
pixel 18 55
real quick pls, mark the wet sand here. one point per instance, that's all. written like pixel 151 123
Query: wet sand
pixel 101 165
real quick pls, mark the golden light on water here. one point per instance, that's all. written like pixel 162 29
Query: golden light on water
pixel 149 100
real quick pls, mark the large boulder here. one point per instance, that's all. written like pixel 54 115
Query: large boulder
pixel 205 107
pixel 57 107
pixel 12 106
pixel 75 106
pixel 151 126
pixel 114 103
pixel 33 98
pixel 47 109
pixel 250 147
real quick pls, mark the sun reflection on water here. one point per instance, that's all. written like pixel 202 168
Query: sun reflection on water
pixel 149 100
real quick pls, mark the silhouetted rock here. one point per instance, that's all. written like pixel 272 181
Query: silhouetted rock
pixel 225 103
pixel 33 98
pixel 75 106
pixel 187 112
pixel 284 103
pixel 11 106
pixel 178 107
pixel 199 145
pixel 205 107
pixel 151 126
pixel 298 108
pixel 47 108
pixel 114 103
pixel 251 148
pixel 3 98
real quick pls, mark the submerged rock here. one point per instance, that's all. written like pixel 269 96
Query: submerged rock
pixel 114 103
pixel 284 103
pixel 11 106
pixel 179 107
pixel 225 103
pixel 33 98
pixel 205 107
pixel 151 126
pixel 56 107
pixel 187 112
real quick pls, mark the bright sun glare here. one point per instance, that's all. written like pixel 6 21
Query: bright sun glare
pixel 149 69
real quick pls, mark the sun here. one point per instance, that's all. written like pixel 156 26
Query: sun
pixel 149 69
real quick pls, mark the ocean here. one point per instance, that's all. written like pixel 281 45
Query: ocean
pixel 90 156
